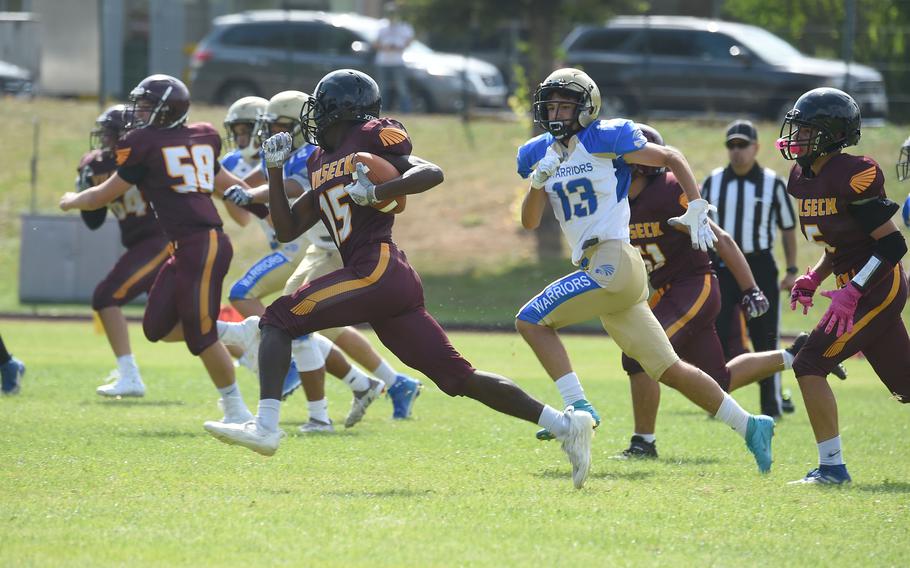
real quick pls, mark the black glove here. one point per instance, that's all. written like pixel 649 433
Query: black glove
pixel 238 196
pixel 754 303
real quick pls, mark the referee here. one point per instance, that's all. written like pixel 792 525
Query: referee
pixel 752 203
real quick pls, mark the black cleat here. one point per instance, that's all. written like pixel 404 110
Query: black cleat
pixel 639 449
pixel 839 371
pixel 786 404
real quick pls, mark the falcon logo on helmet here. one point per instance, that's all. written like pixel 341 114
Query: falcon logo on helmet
pixel 159 101
pixel 573 84
pixel 341 95
pixel 822 121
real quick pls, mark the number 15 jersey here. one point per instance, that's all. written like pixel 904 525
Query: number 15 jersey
pixel 588 191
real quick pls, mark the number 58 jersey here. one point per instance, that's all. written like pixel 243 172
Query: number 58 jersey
pixel 588 191
pixel 175 169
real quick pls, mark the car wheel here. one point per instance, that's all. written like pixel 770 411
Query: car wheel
pixel 233 90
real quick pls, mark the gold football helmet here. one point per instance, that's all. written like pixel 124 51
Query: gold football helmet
pixel 245 110
pixel 284 108
pixel 573 82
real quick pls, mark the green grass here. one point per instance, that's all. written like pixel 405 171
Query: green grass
pixel 91 482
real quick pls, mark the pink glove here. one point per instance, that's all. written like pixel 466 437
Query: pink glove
pixel 803 290
pixel 841 310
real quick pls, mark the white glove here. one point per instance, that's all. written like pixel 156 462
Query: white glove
pixel 696 219
pixel 362 190
pixel 238 196
pixel 277 149
pixel 546 167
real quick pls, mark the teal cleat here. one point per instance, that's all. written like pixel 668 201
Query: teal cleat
pixel 545 435
pixel 758 439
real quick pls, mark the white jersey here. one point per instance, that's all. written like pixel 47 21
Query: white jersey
pixel 588 193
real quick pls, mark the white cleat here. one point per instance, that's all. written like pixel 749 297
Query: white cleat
pixel 130 385
pixel 577 444
pixel 235 411
pixel 244 335
pixel 249 435
pixel 362 401
pixel 317 427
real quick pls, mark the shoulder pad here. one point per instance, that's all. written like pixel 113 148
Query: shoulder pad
pixel 531 152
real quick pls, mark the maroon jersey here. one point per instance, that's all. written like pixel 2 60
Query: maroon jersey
pixel 354 227
pixel 822 208
pixel 667 252
pixel 137 220
pixel 175 169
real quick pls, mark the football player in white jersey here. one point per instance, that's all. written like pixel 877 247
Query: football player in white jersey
pixel 582 166
pixel 291 265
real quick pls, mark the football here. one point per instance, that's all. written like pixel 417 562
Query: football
pixel 381 171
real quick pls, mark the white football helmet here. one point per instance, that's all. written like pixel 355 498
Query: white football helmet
pixel 285 108
pixel 573 82
pixel 246 110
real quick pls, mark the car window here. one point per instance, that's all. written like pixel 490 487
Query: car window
pixel 258 34
pixel 337 41
pixel 306 36
pixel 622 41
pixel 671 43
pixel 715 46
pixel 767 45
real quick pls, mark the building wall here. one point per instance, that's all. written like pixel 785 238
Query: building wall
pixel 70 46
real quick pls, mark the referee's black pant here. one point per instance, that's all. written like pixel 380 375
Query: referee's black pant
pixel 763 331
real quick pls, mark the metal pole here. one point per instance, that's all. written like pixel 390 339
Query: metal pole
pixel 102 94
pixel 849 34
pixel 34 165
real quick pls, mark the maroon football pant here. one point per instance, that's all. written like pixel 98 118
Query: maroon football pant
pixel 379 287
pixel 188 290
pixel 686 309
pixel 878 331
pixel 133 274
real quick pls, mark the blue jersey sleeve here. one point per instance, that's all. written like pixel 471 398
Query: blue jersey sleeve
pixel 612 137
pixel 295 168
pixel 230 160
pixel 531 152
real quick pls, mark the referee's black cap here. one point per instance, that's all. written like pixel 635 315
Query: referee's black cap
pixel 742 130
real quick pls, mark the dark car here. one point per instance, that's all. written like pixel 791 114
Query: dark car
pixel 693 65
pixel 15 80
pixel 264 52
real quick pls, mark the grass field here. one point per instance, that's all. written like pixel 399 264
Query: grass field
pixel 91 482
pixel 463 237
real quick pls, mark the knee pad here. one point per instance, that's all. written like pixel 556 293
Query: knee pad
pixel 323 345
pixel 306 354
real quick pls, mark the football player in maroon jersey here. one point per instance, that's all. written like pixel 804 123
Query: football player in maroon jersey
pixel 842 207
pixel 376 284
pixel 146 250
pixel 175 167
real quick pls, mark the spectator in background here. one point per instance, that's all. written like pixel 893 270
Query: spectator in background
pixel 11 371
pixel 903 174
pixel 751 203
pixel 393 38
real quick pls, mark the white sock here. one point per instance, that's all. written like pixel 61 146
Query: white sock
pixel 222 327
pixel 126 364
pixel 788 359
pixel 733 415
pixel 554 421
pixel 649 438
pixel 830 452
pixel 319 410
pixel 268 413
pixel 570 388
pixel 385 373
pixel 230 391
pixel 356 379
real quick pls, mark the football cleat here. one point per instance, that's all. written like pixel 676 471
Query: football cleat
pixel 248 434
pixel 246 336
pixel 639 449
pixel 11 374
pixel 403 394
pixel 129 385
pixel 577 444
pixel 291 381
pixel 759 432
pixel 825 475
pixel 362 400
pixel 235 411
pixel 545 435
pixel 314 426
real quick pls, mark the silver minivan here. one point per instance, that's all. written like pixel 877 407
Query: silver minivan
pixel 267 51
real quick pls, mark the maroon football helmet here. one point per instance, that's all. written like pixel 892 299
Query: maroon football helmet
pixel 654 137
pixel 109 126
pixel 159 101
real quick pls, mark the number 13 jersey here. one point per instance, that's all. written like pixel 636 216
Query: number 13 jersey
pixel 588 191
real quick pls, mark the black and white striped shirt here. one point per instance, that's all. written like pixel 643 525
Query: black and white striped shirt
pixel 750 207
